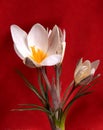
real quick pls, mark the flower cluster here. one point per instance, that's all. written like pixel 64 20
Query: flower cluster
pixel 41 48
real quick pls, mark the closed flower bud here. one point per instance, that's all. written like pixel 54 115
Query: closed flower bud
pixel 84 71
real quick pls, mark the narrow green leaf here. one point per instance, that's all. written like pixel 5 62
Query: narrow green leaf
pixel 29 105
pixel 43 91
pixel 32 109
pixel 77 96
pixel 86 87
pixel 66 95
pixel 35 107
pixel 46 94
pixel 41 85
pixel 32 87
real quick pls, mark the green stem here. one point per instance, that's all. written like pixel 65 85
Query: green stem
pixel 58 87
pixel 62 124
pixel 57 124
pixel 46 78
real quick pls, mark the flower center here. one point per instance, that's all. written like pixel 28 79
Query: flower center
pixel 37 54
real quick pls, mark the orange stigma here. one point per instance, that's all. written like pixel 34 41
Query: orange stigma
pixel 37 54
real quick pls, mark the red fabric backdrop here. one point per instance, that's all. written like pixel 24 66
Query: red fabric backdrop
pixel 83 21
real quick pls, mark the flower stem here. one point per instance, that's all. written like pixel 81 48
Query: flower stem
pixel 56 127
pixel 46 78
pixel 56 124
pixel 58 87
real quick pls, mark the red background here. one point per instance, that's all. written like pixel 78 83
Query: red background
pixel 83 21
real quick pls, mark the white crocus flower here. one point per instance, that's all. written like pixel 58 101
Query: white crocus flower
pixel 38 47
pixel 84 71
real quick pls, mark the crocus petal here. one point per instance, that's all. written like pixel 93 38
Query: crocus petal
pixel 63 50
pixel 51 60
pixel 62 44
pixel 62 35
pixel 83 72
pixel 79 64
pixel 86 68
pixel 87 63
pixel 54 41
pixel 19 37
pixel 94 66
pixel 38 37
pixel 49 32
pixel 87 80
pixel 18 53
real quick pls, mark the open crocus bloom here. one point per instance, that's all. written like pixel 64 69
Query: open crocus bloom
pixel 39 47
pixel 84 71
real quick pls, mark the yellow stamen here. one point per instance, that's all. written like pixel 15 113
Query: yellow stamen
pixel 37 54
